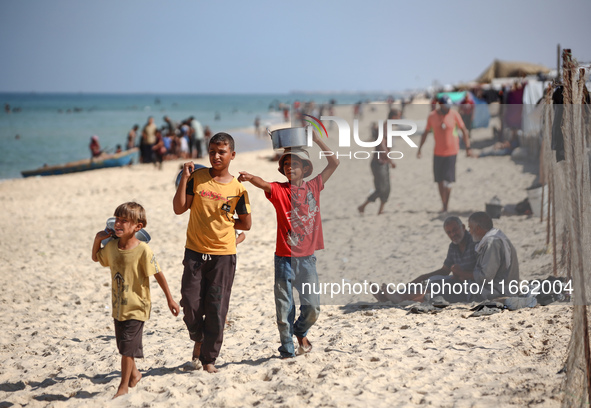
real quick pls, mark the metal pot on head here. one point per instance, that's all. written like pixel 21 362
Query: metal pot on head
pixel 289 137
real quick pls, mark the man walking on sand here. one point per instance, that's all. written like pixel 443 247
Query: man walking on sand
pixel 443 122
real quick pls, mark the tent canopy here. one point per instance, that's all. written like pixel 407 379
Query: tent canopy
pixel 506 69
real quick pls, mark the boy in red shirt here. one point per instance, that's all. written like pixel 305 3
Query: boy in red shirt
pixel 299 234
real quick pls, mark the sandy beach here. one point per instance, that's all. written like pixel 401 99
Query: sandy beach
pixel 57 344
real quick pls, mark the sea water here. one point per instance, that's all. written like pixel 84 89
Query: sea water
pixel 56 128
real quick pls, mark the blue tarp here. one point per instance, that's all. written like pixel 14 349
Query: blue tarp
pixel 481 113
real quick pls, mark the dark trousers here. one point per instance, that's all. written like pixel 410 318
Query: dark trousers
pixel 381 181
pixel 205 290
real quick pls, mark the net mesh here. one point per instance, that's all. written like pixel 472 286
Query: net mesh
pixel 569 216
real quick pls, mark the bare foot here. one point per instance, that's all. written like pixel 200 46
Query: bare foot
pixel 196 350
pixel 361 209
pixel 380 295
pixel 210 368
pixel 135 378
pixel 305 345
pixel 381 210
pixel 122 390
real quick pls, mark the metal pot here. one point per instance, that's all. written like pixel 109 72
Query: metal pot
pixel 142 234
pixel 289 137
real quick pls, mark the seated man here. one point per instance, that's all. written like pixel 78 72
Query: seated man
pixel 460 260
pixel 497 259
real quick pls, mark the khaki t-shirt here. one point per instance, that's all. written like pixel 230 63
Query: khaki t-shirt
pixel 130 274
pixel 211 224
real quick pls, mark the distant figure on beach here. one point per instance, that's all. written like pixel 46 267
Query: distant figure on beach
pixel 170 125
pixel 132 262
pixel 443 121
pixel 358 110
pixel 207 135
pixel 213 196
pixel 299 235
pixel 466 110
pixel 199 136
pixel 380 168
pixel 147 141
pixel 159 149
pixel 131 136
pixel 257 126
pixel 183 142
pixel 502 148
pixel 118 149
pixel 460 259
pixel 95 147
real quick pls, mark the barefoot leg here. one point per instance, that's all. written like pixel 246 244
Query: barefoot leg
pixel 196 351
pixel 381 210
pixel 361 208
pixel 127 365
pixel 305 344
pixel 135 377
pixel 210 368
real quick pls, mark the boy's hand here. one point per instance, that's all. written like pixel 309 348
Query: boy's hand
pixel 102 235
pixel 174 307
pixel 188 168
pixel 244 176
pixel 315 137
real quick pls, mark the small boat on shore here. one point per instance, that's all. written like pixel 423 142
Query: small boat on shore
pixel 111 160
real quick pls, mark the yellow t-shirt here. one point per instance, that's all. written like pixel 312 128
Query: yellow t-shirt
pixel 130 274
pixel 211 224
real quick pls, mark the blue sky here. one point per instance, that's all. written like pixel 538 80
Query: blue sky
pixel 275 46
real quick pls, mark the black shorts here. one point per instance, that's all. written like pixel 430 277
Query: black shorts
pixel 128 335
pixel 444 168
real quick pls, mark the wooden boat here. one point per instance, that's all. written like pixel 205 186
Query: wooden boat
pixel 112 160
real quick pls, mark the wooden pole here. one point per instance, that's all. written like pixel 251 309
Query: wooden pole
pixel 558 61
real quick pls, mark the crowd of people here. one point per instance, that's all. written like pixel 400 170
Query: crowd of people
pixel 172 140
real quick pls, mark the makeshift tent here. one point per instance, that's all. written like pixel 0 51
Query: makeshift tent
pixel 506 69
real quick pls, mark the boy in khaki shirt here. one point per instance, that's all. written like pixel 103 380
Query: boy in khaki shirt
pixel 132 262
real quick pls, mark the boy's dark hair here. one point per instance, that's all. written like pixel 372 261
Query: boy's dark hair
pixel 482 219
pixel 224 138
pixel 133 212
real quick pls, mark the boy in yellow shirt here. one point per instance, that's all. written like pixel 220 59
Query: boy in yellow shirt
pixel 213 195
pixel 132 262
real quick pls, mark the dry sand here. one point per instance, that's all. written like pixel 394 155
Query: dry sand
pixel 57 345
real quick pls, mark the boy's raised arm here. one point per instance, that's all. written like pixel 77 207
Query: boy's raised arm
pixel 333 162
pixel 181 201
pixel 96 246
pixel 255 181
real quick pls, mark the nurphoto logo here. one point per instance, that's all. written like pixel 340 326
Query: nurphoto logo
pixel 393 128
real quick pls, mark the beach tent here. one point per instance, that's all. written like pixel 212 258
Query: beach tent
pixel 481 113
pixel 507 69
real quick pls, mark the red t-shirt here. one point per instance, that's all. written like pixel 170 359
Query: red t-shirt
pixel 447 142
pixel 299 226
